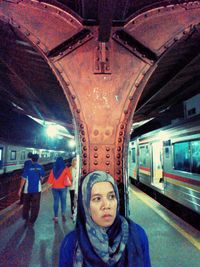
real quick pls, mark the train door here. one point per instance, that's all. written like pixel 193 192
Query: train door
pixel 157 164
pixel 132 161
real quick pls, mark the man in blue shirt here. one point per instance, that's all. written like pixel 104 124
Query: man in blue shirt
pixel 27 163
pixel 31 180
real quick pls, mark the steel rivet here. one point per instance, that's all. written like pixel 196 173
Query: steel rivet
pixel 107 132
pixel 96 132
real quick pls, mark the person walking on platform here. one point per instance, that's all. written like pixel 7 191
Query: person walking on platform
pixel 59 179
pixel 74 187
pixel 31 180
pixel 27 163
pixel 102 237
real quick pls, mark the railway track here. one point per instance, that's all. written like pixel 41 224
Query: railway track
pixel 9 186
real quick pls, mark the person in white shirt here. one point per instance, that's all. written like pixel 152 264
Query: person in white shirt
pixel 74 187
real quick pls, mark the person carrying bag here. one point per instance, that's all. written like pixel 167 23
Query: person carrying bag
pixel 59 179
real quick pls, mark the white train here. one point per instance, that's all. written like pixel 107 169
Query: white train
pixel 168 161
pixel 12 157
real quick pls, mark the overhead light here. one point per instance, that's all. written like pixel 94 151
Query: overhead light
pixel 16 106
pixel 140 123
pixel 52 130
pixel 61 130
pixel 72 143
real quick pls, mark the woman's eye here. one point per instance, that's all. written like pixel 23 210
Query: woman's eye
pixel 96 199
pixel 111 197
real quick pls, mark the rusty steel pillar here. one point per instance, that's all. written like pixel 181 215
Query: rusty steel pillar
pixel 102 81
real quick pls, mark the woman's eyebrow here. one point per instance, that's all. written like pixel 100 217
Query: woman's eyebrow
pixel 111 192
pixel 98 194
pixel 95 195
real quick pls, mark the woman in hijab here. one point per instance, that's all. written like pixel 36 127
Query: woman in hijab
pixel 57 180
pixel 102 237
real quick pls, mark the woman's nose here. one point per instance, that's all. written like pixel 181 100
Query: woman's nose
pixel 106 203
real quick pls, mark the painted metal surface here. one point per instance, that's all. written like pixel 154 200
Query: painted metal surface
pixel 102 81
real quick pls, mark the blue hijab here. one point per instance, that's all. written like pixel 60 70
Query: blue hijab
pixel 58 167
pixel 100 246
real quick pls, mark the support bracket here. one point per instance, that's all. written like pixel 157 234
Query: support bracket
pixel 102 60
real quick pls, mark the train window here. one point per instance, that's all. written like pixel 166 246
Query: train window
pixel 182 160
pixel 166 152
pixel 187 156
pixel 195 156
pixel 181 156
pixel 143 154
pixel 133 155
pixel 13 154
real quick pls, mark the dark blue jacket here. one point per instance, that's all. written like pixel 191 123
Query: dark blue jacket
pixel 68 247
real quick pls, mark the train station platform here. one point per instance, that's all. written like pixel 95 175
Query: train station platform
pixel 173 243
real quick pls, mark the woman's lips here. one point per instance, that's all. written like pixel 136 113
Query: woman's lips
pixel 107 216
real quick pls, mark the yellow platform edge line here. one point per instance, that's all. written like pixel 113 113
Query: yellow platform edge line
pixel 191 239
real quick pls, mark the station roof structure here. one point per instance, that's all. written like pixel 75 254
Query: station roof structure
pixel 29 86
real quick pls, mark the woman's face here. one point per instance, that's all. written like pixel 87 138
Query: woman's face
pixel 103 204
